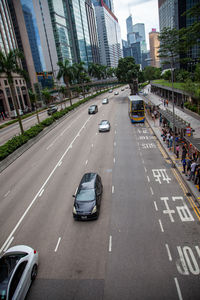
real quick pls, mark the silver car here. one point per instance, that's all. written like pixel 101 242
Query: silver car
pixel 18 268
pixel 104 126
pixel 105 101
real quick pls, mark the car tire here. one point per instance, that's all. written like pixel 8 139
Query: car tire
pixel 34 272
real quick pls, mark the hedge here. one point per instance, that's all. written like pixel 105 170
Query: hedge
pixel 17 141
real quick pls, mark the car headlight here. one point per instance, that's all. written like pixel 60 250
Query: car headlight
pixel 94 209
pixel 74 210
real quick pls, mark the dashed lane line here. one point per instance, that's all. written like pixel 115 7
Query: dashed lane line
pixel 178 289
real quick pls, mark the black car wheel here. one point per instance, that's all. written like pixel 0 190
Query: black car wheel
pixel 34 272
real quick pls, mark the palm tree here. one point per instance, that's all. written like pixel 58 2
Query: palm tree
pixel 33 97
pixel 63 91
pixel 67 72
pixel 47 96
pixel 9 65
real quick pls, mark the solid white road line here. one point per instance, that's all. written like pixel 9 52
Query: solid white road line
pixel 168 252
pixel 113 189
pixel 161 227
pixel 151 190
pixel 57 244
pixel 178 289
pixel 155 204
pixel 110 244
pixel 60 163
pixel 148 178
pixel 8 245
pixel 42 187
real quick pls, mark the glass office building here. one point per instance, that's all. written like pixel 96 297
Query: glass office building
pixel 109 34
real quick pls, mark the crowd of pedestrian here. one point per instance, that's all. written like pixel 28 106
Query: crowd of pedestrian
pixel 191 166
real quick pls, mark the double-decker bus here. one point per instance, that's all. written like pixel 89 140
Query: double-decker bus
pixel 136 109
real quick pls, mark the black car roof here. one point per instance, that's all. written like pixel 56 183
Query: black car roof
pixel 88 181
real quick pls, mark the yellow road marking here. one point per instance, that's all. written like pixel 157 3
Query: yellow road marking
pixel 190 199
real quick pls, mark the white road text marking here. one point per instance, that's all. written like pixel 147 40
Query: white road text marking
pixel 57 244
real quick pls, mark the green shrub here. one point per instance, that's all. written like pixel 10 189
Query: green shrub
pixel 34 130
pixel 47 121
pixel 12 145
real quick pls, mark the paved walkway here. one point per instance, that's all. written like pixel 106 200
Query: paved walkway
pixel 157 129
pixel 185 114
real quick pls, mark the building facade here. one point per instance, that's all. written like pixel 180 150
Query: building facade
pixel 109 34
pixel 154 44
pixel 8 42
pixel 139 30
pixel 171 14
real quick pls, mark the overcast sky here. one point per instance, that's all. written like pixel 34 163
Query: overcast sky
pixel 143 11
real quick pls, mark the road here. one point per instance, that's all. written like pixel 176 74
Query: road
pixel 145 244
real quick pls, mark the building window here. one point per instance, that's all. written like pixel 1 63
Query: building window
pixel 20 81
pixel 16 81
pixel 5 82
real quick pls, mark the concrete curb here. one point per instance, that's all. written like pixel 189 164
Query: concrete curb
pixel 176 166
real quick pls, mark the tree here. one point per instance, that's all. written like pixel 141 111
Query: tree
pixel 66 70
pixel 197 72
pixel 47 96
pixel 33 98
pixel 81 75
pixel 167 75
pixel 63 91
pixel 9 65
pixel 151 73
pixel 127 72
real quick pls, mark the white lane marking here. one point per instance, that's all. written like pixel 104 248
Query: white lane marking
pixel 151 190
pixel 110 244
pixel 161 226
pixel 9 242
pixel 178 289
pixel 114 160
pixel 113 189
pixel 114 144
pixel 86 162
pixel 7 194
pixel 57 244
pixel 148 178
pixel 60 163
pixel 42 187
pixel 156 207
pixel 40 194
pixel 61 134
pixel 145 169
pixel 96 133
pixel 168 252
pixel 92 145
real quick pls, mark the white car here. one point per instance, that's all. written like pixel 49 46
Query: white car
pixel 110 91
pixel 104 126
pixel 105 101
pixel 116 93
pixel 18 268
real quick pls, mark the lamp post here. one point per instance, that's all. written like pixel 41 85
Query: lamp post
pixel 173 110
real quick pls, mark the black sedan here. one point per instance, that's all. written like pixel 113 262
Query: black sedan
pixel 88 197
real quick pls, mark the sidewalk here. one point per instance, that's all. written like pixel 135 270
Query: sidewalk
pixel 157 129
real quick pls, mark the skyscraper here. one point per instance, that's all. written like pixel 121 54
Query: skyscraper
pixel 109 34
pixel 139 30
pixel 154 44
pixel 129 24
pixel 8 42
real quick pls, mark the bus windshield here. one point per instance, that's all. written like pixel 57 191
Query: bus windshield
pixel 137 105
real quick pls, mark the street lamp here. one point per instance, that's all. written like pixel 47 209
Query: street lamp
pixel 173 110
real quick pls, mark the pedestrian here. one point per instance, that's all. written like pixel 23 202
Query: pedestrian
pixel 188 163
pixel 198 177
pixel 160 120
pixel 184 165
pixel 167 103
pixel 164 102
pixel 167 139
pixel 184 152
pixel 170 142
pixel 192 172
pixel 177 151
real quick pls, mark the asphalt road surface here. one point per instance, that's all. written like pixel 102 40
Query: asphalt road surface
pixel 145 244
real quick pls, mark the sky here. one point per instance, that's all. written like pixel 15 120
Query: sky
pixel 143 11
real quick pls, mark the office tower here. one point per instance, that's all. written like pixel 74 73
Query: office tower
pixel 129 24
pixel 8 42
pixel 92 27
pixel 109 34
pixel 139 31
pixel 154 44
pixel 32 38
pixel 171 14
pixel 23 40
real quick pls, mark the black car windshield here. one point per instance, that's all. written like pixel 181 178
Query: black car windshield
pixel 7 265
pixel 86 195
